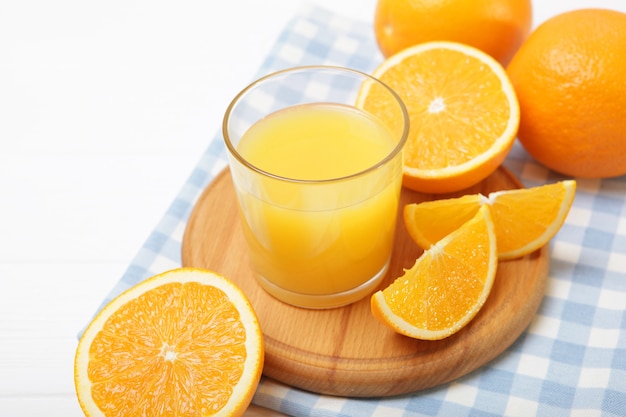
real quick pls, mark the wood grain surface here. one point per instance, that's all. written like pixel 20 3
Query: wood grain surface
pixel 345 351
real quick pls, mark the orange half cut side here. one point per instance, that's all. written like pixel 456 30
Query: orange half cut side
pixel 464 114
pixel 186 342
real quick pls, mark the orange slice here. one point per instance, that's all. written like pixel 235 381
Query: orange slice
pixel 446 287
pixel 463 113
pixel 186 342
pixel 525 219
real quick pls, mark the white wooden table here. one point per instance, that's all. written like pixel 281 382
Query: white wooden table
pixel 105 108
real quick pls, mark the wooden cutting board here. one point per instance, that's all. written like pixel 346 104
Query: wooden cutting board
pixel 345 351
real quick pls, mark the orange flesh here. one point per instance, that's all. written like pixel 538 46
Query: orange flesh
pixel 466 118
pixel 447 285
pixel 450 123
pixel 172 344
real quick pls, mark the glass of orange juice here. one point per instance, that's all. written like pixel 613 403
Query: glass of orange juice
pixel 318 183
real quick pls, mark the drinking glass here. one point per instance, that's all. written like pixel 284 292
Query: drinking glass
pixel 318 181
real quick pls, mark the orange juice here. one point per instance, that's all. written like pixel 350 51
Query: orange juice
pixel 326 230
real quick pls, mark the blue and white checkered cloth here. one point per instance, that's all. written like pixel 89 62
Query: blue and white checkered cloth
pixel 571 361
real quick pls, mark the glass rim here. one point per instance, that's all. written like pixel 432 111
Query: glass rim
pixel 391 155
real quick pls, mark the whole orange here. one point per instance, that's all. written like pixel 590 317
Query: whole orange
pixel 570 83
pixel 497 27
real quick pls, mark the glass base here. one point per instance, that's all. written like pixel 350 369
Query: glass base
pixel 324 301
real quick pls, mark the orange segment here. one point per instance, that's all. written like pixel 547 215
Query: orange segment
pixel 430 221
pixel 186 342
pixel 463 113
pixel 446 287
pixel 525 219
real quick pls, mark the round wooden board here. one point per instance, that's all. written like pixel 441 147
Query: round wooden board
pixel 345 351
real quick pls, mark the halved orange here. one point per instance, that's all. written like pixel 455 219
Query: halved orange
pixel 463 112
pixel 525 219
pixel 447 285
pixel 186 342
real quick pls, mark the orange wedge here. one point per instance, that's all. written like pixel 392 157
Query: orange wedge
pixel 186 342
pixel 463 113
pixel 446 287
pixel 525 219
